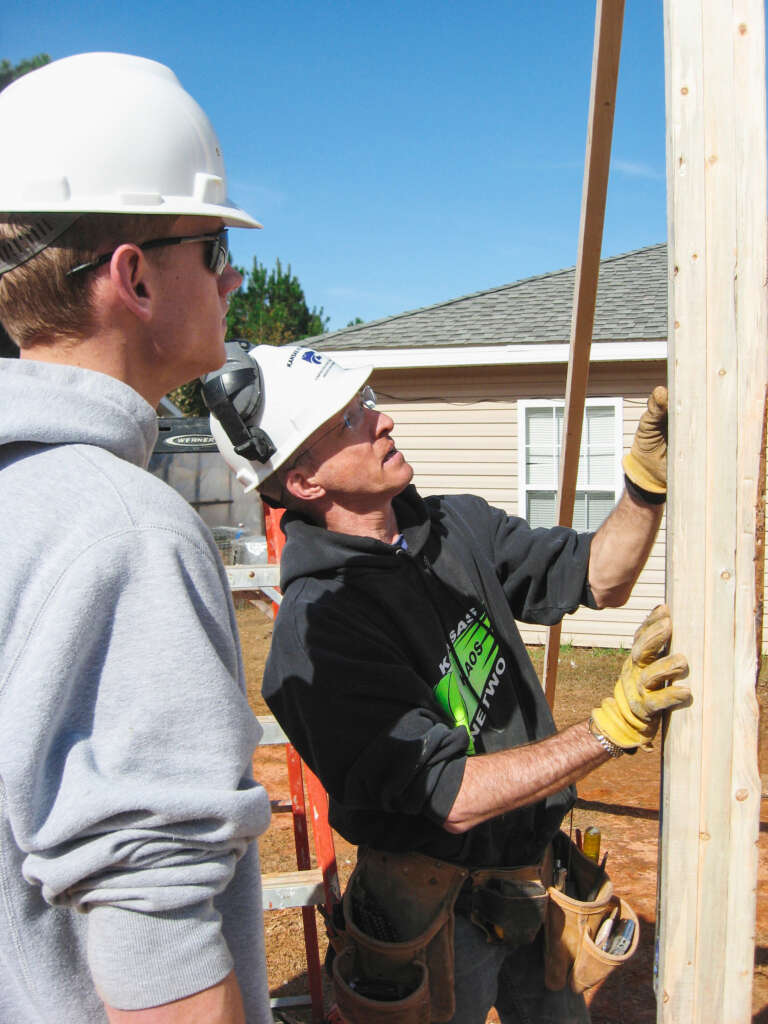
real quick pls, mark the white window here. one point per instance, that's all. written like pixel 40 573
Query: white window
pixel 600 477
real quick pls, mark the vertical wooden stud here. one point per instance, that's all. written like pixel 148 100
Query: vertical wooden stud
pixel 718 371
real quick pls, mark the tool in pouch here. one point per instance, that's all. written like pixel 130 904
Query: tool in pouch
pixel 394 962
pixel 591 843
pixel 575 915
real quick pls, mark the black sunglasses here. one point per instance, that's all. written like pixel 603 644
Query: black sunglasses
pixel 216 255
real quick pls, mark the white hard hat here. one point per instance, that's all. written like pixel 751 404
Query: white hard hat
pixel 110 133
pixel 299 390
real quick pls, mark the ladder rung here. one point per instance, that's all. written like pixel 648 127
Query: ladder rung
pixel 292 889
pixel 278 1001
pixel 272 733
pixel 280 806
pixel 253 577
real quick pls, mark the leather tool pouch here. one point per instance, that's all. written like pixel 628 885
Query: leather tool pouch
pixel 574 916
pixel 509 904
pixel 397 967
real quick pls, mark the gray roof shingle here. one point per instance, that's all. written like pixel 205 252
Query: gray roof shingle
pixel 631 306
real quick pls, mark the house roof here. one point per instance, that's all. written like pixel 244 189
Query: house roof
pixel 631 306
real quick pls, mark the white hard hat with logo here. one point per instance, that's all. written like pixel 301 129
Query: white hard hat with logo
pixel 110 133
pixel 267 400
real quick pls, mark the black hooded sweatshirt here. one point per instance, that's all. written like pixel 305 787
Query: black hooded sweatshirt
pixel 391 664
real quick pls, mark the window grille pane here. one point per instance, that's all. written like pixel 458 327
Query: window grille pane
pixel 599 505
pixel 597 455
pixel 539 470
pixel 580 512
pixel 601 470
pixel 599 425
pixel 540 467
pixel 540 428
pixel 590 508
pixel 540 509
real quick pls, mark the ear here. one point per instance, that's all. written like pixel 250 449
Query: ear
pixel 303 485
pixel 129 273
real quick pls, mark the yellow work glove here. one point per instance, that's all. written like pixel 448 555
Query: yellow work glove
pixel 630 718
pixel 646 462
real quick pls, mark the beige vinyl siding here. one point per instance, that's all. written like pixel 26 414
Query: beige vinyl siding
pixel 458 427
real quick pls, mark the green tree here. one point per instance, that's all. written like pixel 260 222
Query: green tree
pixel 269 308
pixel 8 74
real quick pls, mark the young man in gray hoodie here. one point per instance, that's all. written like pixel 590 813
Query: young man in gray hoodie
pixel 129 879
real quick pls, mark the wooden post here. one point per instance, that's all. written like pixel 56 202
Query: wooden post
pixel 609 17
pixel 718 371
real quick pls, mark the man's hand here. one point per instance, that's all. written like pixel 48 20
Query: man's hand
pixel 646 462
pixel 630 718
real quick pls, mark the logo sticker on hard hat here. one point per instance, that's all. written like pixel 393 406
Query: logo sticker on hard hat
pixel 312 357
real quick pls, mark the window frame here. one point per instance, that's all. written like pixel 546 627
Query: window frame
pixel 524 404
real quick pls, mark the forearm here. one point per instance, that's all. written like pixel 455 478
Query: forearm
pixel 500 782
pixel 620 549
pixel 220 1004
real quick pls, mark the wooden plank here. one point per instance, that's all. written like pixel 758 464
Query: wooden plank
pixel 716 165
pixel 609 19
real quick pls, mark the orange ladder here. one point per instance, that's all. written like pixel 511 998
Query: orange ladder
pixel 307 887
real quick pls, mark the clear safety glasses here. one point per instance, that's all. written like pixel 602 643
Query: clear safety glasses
pixel 216 251
pixel 354 415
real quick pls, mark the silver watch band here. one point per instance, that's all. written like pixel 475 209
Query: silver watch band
pixel 611 748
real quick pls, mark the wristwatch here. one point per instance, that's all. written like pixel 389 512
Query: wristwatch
pixel 611 748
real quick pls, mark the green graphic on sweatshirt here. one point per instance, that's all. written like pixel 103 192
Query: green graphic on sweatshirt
pixel 471 673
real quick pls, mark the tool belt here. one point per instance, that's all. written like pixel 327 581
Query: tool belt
pixel 394 964
pixel 580 900
pixel 508 904
pixel 395 956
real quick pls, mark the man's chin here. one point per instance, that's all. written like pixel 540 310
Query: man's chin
pixel 216 357
pixel 406 477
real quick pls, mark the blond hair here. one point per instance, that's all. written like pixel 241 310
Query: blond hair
pixel 37 300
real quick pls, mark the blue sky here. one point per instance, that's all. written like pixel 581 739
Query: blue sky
pixel 397 153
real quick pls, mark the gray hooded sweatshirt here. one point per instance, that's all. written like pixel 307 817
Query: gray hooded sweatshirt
pixel 128 811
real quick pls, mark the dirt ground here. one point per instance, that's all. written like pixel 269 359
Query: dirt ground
pixel 622 798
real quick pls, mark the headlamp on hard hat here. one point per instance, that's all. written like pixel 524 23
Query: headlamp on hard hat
pixel 234 394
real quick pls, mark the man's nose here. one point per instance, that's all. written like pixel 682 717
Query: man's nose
pixel 384 423
pixel 229 280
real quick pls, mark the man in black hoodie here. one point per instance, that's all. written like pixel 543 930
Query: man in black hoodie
pixel 397 669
